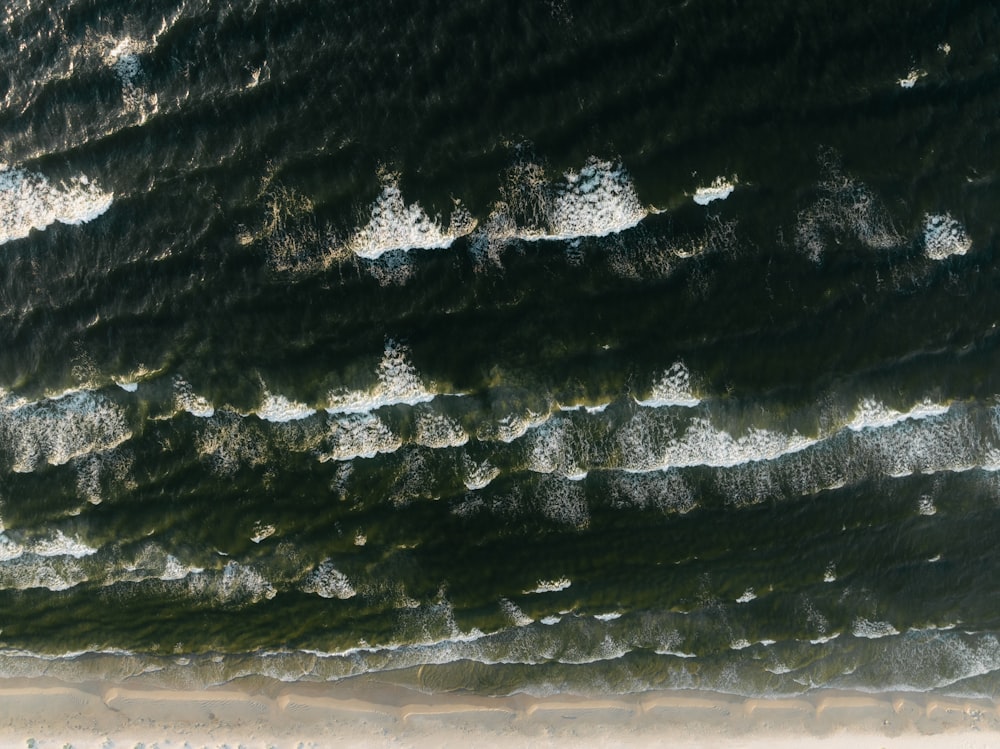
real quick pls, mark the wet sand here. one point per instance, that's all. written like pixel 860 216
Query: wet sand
pixel 363 712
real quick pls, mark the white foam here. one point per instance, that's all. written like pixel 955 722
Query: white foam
pixel 34 571
pixel 911 78
pixel 394 225
pixel 130 382
pixel 56 430
pixel 664 490
pixel 61 545
pixel 261 531
pixel 517 617
pixel 29 201
pixel 229 442
pixel 599 408
pixel 327 582
pixel 278 408
pixel 830 574
pixel 871 414
pixel 362 435
pixel 478 475
pixel 872 629
pixel 926 506
pixel 563 502
pixel 748 595
pixel 598 200
pixel 397 383
pixel 235 583
pixel 674 653
pixel 124 58
pixel 824 639
pixel 151 563
pixel 557 447
pixel 704 445
pixel 595 201
pixel 185 399
pixel 720 189
pixel 439 431
pixel 610 616
pixel 512 426
pixel 944 237
pixel 9 549
pixel 550 586
pixel 672 389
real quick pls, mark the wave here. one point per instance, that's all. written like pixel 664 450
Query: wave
pixel 279 409
pixel 185 399
pixel 362 435
pixel 57 430
pixel 944 237
pixel 872 414
pixel 720 189
pixel 845 207
pixel 29 201
pixel 672 389
pixel 394 225
pixel 47 546
pixel 598 200
pixel 328 582
pixel 397 383
pixel 60 563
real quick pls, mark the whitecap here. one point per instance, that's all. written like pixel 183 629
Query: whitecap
pixel 598 200
pixel 394 225
pixel 61 545
pixel 361 435
pixel 672 389
pixel 872 629
pixel 944 237
pixel 720 189
pixel 56 430
pixel 29 201
pixel 871 414
pixel 911 78
pixel 397 383
pixel 185 399
pixel 551 586
pixel 327 582
pixel 278 408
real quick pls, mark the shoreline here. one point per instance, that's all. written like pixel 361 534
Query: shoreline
pixel 362 711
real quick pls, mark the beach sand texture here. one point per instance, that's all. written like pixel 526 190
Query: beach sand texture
pixel 45 713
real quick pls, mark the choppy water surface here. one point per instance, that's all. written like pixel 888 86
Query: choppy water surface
pixel 502 347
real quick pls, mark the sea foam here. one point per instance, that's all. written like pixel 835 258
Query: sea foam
pixel 720 189
pixel 672 389
pixel 599 199
pixel 394 225
pixel 279 409
pixel 29 201
pixel 327 582
pixel 397 382
pixel 57 430
pixel 944 237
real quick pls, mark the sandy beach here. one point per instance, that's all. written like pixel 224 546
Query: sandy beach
pixel 364 713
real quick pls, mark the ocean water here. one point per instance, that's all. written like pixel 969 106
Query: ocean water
pixel 501 346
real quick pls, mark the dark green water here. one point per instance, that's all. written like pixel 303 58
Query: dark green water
pixel 341 338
